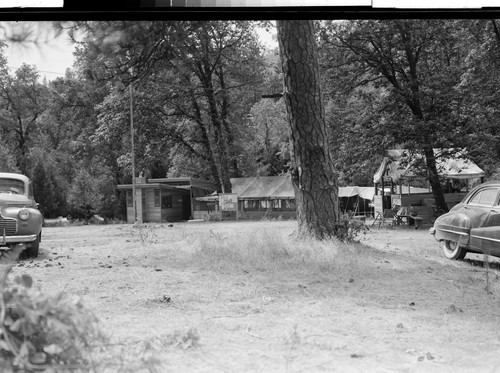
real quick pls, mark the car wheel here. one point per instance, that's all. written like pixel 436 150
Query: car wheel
pixel 32 252
pixel 452 250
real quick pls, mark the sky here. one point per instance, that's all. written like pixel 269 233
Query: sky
pixel 51 59
pixel 54 57
pixel 51 55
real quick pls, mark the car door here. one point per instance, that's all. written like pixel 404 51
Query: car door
pixel 484 211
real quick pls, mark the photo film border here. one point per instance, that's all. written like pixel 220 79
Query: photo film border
pixel 249 3
pixel 301 4
pixel 89 10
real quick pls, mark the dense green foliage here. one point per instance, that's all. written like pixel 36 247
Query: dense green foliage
pixel 198 109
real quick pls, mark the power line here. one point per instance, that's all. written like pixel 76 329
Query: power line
pixel 40 71
pixel 51 72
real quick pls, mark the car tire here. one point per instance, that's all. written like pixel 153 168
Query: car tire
pixel 32 251
pixel 452 250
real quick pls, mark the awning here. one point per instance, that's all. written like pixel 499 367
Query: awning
pixel 214 197
pixel 352 191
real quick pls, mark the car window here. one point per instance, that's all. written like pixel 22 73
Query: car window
pixel 484 197
pixel 12 186
pixel 474 200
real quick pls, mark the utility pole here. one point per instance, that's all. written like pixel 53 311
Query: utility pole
pixel 134 203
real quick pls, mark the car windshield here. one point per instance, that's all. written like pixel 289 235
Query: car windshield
pixel 12 186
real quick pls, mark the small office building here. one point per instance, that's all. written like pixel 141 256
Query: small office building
pixel 167 199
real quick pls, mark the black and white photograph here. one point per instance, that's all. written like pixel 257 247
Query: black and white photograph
pixel 240 186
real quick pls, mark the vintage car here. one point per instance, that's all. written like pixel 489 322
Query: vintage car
pixel 20 219
pixel 473 225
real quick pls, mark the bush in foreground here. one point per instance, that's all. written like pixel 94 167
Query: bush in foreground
pixel 41 332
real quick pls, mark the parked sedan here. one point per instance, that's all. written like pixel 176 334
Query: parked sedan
pixel 20 219
pixel 473 225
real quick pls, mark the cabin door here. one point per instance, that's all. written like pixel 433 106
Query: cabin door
pixel 186 207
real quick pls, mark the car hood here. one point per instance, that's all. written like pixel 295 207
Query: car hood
pixel 14 200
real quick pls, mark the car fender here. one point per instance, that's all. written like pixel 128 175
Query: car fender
pixel 31 226
pixel 453 226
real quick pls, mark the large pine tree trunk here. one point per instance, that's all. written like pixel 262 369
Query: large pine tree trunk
pixel 314 179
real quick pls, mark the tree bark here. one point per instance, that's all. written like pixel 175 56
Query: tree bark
pixel 313 176
pixel 433 177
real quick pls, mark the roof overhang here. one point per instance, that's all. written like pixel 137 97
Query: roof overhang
pixel 151 186
pixel 400 165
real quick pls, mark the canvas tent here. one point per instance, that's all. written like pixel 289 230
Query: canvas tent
pixel 356 199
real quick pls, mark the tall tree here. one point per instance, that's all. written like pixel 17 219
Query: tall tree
pixel 418 65
pixel 23 101
pixel 314 179
pixel 268 139
pixel 480 94
pixel 203 68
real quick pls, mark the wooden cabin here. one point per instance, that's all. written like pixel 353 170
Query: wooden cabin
pixel 265 197
pixel 393 179
pixel 274 197
pixel 167 199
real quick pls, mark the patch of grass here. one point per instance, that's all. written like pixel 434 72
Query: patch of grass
pixel 271 250
pixel 147 233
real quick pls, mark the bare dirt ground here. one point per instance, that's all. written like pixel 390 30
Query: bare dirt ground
pixel 246 297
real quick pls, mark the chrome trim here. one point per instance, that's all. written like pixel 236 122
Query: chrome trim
pixel 8 224
pixel 486 238
pixel 451 231
pixel 15 239
pixel 19 214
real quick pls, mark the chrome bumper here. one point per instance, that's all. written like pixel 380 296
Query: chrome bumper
pixel 432 231
pixel 4 240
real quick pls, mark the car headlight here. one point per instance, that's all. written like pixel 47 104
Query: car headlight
pixel 24 214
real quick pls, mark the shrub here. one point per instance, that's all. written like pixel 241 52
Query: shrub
pixel 41 332
pixel 351 228
pixel 214 216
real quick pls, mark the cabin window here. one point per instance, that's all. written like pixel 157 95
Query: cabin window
pixel 157 197
pixel 251 204
pixel 265 204
pixel 289 204
pixel 277 204
pixel 166 202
